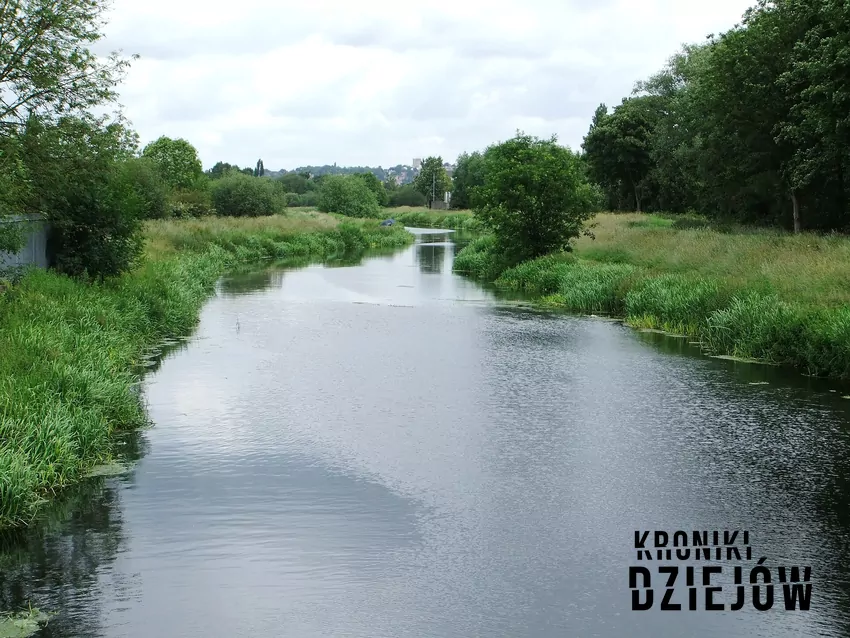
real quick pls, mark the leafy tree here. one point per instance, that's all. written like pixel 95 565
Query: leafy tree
pixel 347 195
pixel 177 160
pixel 617 148
pixel 47 69
pixel 247 171
pixel 406 195
pixel 79 178
pixel 535 198
pixel 221 169
pixel 238 195
pixel 151 190
pixel 260 170
pixel 375 185
pixel 433 181
pixel 468 175
pixel 294 183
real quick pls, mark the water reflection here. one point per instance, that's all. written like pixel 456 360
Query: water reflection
pixel 382 449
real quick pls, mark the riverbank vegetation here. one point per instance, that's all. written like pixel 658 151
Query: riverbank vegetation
pixel 755 294
pixel 70 347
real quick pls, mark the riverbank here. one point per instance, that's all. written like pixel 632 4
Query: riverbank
pixel 762 295
pixel 70 348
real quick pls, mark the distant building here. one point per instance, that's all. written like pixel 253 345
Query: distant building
pixel 417 163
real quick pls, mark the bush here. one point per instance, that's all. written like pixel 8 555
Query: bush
pixel 291 199
pixel 310 198
pixel 535 197
pixel 240 195
pixel 190 203
pixel 347 195
pixel 406 196
pixel 375 185
pixel 149 186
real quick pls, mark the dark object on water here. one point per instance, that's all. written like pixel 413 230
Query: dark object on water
pixel 388 222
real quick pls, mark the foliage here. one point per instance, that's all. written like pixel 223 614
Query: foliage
pixel 177 160
pixel 348 195
pixel 406 196
pixel 94 206
pixel 149 186
pixel 432 181
pixel 260 170
pixel 295 183
pixel 48 70
pixel 535 198
pixel 237 194
pixel 468 175
pixel 374 185
pixel 751 125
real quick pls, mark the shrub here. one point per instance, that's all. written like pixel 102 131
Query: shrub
pixel 149 186
pixel 347 195
pixel 535 197
pixel 375 185
pixel 406 196
pixel 240 195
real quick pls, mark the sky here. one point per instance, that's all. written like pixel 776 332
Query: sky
pixel 377 83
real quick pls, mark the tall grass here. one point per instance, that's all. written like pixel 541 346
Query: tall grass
pixel 753 294
pixel 69 348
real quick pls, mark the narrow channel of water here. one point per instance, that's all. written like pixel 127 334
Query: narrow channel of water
pixel 386 449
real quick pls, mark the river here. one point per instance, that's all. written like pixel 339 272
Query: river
pixel 389 450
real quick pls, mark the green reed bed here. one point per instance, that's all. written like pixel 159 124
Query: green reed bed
pixel 70 348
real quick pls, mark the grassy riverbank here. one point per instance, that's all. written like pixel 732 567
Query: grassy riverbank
pixel 69 348
pixel 763 295
pixel 423 217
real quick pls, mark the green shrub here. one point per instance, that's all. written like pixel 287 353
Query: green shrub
pixel 310 198
pixel 375 185
pixel 150 188
pixel 190 203
pixel 241 195
pixel 349 196
pixel 406 195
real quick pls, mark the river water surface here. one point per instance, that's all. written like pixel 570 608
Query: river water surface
pixel 389 450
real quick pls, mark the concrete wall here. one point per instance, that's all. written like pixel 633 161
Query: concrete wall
pixel 34 251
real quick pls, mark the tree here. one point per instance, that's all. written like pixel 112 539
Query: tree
pixel 375 185
pixel 617 147
pixel 347 195
pixel 468 175
pixel 535 198
pixel 406 195
pixel 433 181
pixel 46 68
pixel 294 183
pixel 149 187
pixel 79 178
pixel 221 169
pixel 239 195
pixel 260 170
pixel 177 160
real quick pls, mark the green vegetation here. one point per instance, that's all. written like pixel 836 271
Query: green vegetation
pixel 765 295
pixel 535 198
pixel 406 196
pixel 751 125
pixel 70 347
pixel 432 181
pixel 347 195
pixel 238 195
pixel 427 218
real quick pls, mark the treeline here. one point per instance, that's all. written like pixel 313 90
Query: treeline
pixel 753 125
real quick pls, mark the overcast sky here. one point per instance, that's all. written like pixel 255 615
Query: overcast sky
pixel 369 82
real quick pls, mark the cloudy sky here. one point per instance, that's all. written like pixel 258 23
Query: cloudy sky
pixel 370 82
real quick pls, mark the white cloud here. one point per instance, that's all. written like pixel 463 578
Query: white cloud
pixel 372 83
